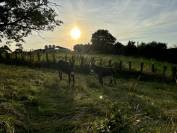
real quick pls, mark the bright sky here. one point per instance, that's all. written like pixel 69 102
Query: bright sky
pixel 138 20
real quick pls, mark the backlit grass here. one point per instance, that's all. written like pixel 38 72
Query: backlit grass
pixel 35 100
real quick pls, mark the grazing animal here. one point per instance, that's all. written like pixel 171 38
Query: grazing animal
pixel 102 72
pixel 68 68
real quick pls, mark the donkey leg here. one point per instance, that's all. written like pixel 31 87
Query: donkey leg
pixel 115 81
pixel 60 75
pixel 111 81
pixel 101 80
pixel 73 79
pixel 69 79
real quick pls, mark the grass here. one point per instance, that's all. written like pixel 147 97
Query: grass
pixel 35 100
pixel 136 61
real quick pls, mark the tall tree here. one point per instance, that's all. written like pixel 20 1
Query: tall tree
pixel 102 40
pixel 18 18
pixel 131 48
pixel 118 48
pixel 82 48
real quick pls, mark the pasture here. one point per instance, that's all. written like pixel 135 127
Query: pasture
pixel 35 100
pixel 50 58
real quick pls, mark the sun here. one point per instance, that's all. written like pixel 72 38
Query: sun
pixel 75 33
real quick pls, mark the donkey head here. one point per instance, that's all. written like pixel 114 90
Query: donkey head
pixel 92 66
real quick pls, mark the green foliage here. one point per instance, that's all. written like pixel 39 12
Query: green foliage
pixel 117 122
pixel 18 18
pixel 103 41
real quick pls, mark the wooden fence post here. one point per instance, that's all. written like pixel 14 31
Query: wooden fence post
pixel 30 56
pixel 72 60
pixel 116 66
pixel 164 71
pixel 47 57
pixel 54 57
pixel 11 58
pixel 110 63
pixel 174 73
pixel 142 67
pixel 130 65
pixel 92 61
pixel 66 57
pixel 38 57
pixel 24 56
pixel 16 56
pixel 153 68
pixel 0 55
pixel 7 57
pixel 82 61
pixel 101 62
pixel 20 55
pixel 120 65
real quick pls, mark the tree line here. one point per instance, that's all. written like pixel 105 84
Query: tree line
pixel 103 41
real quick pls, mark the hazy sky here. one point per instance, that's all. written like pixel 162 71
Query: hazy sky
pixel 138 20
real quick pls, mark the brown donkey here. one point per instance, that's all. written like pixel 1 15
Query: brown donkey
pixel 102 72
pixel 67 68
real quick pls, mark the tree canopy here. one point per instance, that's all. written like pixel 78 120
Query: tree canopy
pixel 102 40
pixel 18 18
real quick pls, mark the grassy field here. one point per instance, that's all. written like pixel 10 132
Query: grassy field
pixel 136 61
pixel 51 57
pixel 35 100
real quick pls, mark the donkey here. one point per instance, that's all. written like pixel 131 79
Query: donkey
pixel 102 72
pixel 68 68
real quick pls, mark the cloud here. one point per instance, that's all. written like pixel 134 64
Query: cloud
pixel 126 19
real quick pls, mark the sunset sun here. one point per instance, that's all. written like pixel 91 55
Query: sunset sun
pixel 75 33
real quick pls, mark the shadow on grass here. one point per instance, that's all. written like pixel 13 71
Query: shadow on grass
pixel 60 110
pixel 147 77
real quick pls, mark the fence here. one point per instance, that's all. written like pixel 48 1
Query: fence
pixel 49 60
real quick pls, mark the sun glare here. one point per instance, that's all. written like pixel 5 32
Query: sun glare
pixel 75 33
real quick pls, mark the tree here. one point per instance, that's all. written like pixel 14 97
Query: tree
pixel 18 18
pixel 82 48
pixel 50 46
pixel 53 46
pixel 5 49
pixel 19 48
pixel 153 49
pixel 131 48
pixel 118 48
pixel 103 41
pixel 46 47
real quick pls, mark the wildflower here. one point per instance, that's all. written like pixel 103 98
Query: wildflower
pixel 101 97
pixel 137 120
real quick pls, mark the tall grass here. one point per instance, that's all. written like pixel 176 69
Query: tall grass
pixel 35 100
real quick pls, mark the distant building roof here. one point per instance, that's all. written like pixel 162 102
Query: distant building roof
pixel 54 47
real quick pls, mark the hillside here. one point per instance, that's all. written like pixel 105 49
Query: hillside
pixel 35 100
